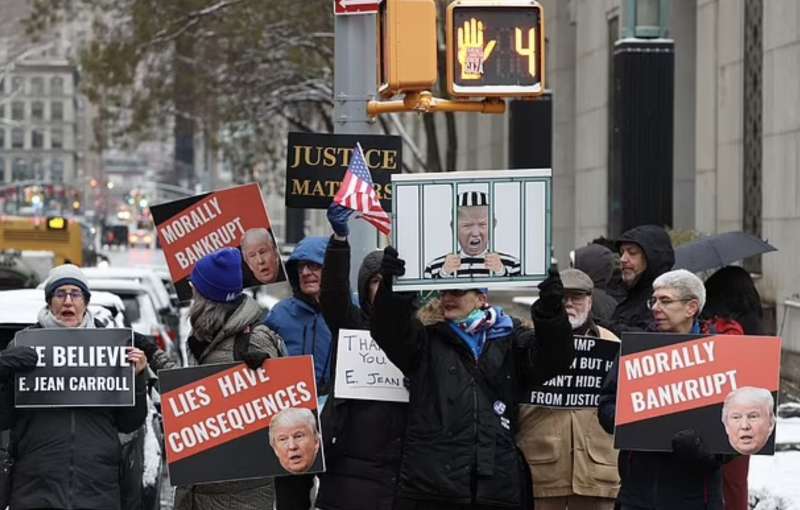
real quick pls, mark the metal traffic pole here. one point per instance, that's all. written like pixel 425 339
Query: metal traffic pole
pixel 355 84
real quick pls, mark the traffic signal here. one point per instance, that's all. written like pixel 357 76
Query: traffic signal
pixel 406 46
pixel 495 48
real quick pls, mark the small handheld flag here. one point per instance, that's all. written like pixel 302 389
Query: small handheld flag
pixel 358 194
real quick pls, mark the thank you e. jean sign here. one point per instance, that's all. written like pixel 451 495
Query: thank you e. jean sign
pixel 364 372
pixel 77 368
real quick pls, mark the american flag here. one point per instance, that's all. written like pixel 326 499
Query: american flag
pixel 357 193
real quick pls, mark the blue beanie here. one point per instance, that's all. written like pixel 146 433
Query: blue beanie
pixel 218 276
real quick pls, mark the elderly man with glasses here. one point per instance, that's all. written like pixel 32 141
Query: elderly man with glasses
pixel 689 477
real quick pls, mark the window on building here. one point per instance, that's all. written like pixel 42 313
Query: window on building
pixel 56 86
pixel 17 84
pixel 17 138
pixel 2 85
pixel 2 108
pixel 56 171
pixel 56 138
pixel 37 86
pixel 37 138
pixel 20 171
pixel 2 138
pixel 37 110
pixel 37 169
pixel 56 110
pixel 18 110
pixel 2 169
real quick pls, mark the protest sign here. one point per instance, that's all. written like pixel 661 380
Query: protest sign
pixel 364 372
pixel 191 228
pixel 77 367
pixel 668 383
pixel 461 230
pixel 316 163
pixel 578 387
pixel 215 413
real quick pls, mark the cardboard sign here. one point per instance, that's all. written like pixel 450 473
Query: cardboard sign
pixel 77 368
pixel 215 413
pixel 668 383
pixel 579 387
pixel 191 228
pixel 461 230
pixel 363 371
pixel 316 163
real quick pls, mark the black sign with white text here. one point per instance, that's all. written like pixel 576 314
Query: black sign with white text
pixel 316 164
pixel 578 387
pixel 77 368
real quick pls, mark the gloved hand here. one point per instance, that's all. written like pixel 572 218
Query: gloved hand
pixel 338 217
pixel 254 360
pixel 146 343
pixel 17 359
pixel 551 295
pixel 688 446
pixel 391 266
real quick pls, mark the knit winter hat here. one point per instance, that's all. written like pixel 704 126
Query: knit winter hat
pixel 66 274
pixel 218 275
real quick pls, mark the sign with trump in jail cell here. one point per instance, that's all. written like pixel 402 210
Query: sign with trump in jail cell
pixel 461 230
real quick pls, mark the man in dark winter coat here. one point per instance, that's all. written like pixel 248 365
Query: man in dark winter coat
pixel 467 373
pixel 69 457
pixel 645 253
pixel 363 438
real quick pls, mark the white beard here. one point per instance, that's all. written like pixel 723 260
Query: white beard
pixel 578 320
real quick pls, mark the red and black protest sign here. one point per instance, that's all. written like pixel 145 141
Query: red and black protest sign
pixel 216 413
pixel 316 164
pixel 579 386
pixel 191 228
pixel 668 383
pixel 77 367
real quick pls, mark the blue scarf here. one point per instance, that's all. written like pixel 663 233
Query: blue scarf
pixel 480 325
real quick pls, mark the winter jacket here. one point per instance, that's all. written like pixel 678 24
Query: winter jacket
pixel 68 457
pixel 462 415
pixel 249 494
pixel 363 438
pixel 567 451
pixel 661 480
pixel 298 319
pixel 598 263
pixel 632 314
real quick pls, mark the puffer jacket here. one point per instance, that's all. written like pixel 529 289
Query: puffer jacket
pixel 567 451
pixel 249 494
pixel 632 314
pixel 462 416
pixel 298 319
pixel 363 438
pixel 68 457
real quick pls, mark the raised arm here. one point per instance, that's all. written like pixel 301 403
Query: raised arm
pixel 335 297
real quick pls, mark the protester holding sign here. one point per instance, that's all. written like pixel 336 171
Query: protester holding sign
pixel 226 327
pixel 466 375
pixel 363 438
pixel 690 477
pixel 69 457
pixel 572 460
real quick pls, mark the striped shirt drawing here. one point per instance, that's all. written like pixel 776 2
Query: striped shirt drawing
pixel 473 267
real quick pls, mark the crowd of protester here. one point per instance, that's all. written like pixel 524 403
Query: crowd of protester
pixel 462 441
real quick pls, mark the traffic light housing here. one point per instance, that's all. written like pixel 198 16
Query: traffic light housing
pixel 495 48
pixel 406 46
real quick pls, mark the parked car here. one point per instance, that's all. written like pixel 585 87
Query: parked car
pixel 140 237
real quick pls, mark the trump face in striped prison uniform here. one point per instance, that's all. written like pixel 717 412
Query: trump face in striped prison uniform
pixel 473 259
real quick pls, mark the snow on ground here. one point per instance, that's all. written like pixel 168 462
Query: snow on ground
pixel 774 481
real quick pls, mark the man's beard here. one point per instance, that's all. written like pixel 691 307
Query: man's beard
pixel 579 320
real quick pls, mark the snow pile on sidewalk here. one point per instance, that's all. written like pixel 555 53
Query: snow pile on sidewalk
pixel 773 480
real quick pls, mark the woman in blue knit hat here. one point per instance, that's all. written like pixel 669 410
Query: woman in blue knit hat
pixel 226 327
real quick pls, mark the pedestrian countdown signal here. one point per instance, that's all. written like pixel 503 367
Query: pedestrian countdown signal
pixel 495 48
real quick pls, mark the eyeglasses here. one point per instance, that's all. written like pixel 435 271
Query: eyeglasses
pixel 62 295
pixel 664 302
pixel 575 298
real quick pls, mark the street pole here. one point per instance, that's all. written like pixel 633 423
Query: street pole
pixel 355 83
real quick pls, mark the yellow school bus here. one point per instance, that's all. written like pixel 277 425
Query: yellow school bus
pixel 60 235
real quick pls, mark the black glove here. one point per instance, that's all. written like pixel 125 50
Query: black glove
pixel 551 295
pixel 146 343
pixel 391 266
pixel 688 446
pixel 254 360
pixel 17 359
